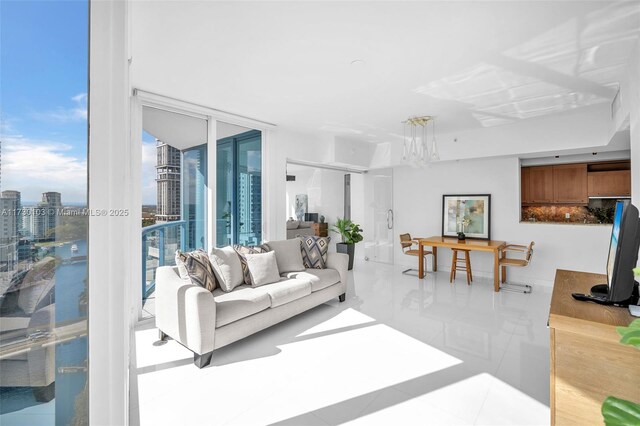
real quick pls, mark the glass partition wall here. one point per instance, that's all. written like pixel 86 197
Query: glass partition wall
pixel 239 186
pixel 43 214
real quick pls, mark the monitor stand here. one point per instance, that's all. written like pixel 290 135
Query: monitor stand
pixel 600 295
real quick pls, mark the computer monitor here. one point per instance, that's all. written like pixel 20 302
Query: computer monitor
pixel 623 256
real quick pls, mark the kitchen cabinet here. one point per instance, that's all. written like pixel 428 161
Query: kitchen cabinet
pixel 616 183
pixel 541 184
pixel 525 179
pixel 570 183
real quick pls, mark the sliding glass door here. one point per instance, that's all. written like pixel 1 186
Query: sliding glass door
pixel 239 189
pixel 194 182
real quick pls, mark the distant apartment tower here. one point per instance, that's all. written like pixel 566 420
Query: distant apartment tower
pixel 250 206
pixel 8 232
pixel 15 195
pixel 40 221
pixel 168 182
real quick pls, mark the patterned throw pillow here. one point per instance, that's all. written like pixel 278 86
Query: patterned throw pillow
pixel 242 250
pixel 314 251
pixel 198 268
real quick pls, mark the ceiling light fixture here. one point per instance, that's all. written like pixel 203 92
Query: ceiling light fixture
pixel 415 150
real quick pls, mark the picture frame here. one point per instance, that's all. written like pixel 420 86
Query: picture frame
pixel 468 213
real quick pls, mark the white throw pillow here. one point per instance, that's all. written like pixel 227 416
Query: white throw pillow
pixel 263 268
pixel 227 267
pixel 288 255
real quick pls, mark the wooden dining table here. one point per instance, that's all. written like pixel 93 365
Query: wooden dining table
pixel 493 246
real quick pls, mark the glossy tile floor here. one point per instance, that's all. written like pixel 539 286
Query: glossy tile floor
pixel 399 351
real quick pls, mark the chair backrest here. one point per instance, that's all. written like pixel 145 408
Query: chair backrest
pixel 405 241
pixel 529 252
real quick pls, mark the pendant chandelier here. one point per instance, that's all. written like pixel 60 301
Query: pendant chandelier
pixel 416 151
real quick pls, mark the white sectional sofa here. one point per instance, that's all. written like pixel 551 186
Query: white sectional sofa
pixel 204 321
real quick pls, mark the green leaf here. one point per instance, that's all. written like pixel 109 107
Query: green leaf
pixel 636 272
pixel 631 338
pixel 616 411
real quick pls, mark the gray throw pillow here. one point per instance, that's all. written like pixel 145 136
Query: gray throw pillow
pixel 314 251
pixel 198 267
pixel 263 268
pixel 288 255
pixel 227 267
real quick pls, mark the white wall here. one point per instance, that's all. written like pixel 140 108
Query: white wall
pixel 419 212
pixel 634 122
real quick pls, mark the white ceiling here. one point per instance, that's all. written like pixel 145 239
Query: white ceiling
pixel 474 65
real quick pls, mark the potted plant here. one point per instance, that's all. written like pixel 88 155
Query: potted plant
pixel 351 234
pixel 616 411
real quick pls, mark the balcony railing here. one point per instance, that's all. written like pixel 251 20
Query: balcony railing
pixel 159 245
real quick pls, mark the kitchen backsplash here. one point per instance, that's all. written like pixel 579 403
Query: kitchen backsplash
pixel 598 211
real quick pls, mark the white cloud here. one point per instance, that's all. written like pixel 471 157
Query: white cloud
pixel 36 166
pixel 78 112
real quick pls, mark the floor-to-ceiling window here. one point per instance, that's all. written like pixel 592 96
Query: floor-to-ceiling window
pixel 43 215
pixel 194 183
pixel 239 189
pixel 174 190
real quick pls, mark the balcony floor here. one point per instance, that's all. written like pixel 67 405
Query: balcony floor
pixel 399 350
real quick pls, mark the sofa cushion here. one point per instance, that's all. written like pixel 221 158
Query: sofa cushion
pixel 319 278
pixel 227 267
pixel 239 303
pixel 263 268
pixel 241 251
pixel 198 267
pixel 314 251
pixel 292 224
pixel 287 290
pixel 288 255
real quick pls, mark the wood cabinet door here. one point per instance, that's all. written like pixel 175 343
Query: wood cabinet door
pixel 525 196
pixel 609 184
pixel 541 184
pixel 570 184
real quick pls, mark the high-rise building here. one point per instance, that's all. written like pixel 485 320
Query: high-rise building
pixel 168 181
pixel 9 231
pixel 15 195
pixel 53 199
pixel 40 221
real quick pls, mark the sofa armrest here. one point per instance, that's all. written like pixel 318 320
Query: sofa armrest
pixel 339 262
pixel 185 311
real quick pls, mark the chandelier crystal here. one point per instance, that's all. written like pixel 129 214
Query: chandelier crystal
pixel 415 150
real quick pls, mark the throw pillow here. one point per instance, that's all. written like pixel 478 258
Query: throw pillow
pixel 314 251
pixel 198 268
pixel 288 255
pixel 182 269
pixel 227 267
pixel 244 250
pixel 263 268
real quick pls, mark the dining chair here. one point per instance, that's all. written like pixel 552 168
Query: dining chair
pixel 407 243
pixel 522 261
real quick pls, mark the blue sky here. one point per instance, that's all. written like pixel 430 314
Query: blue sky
pixel 43 94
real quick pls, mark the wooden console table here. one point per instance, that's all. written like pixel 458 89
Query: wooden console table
pixel 453 243
pixel 320 229
pixel 587 361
